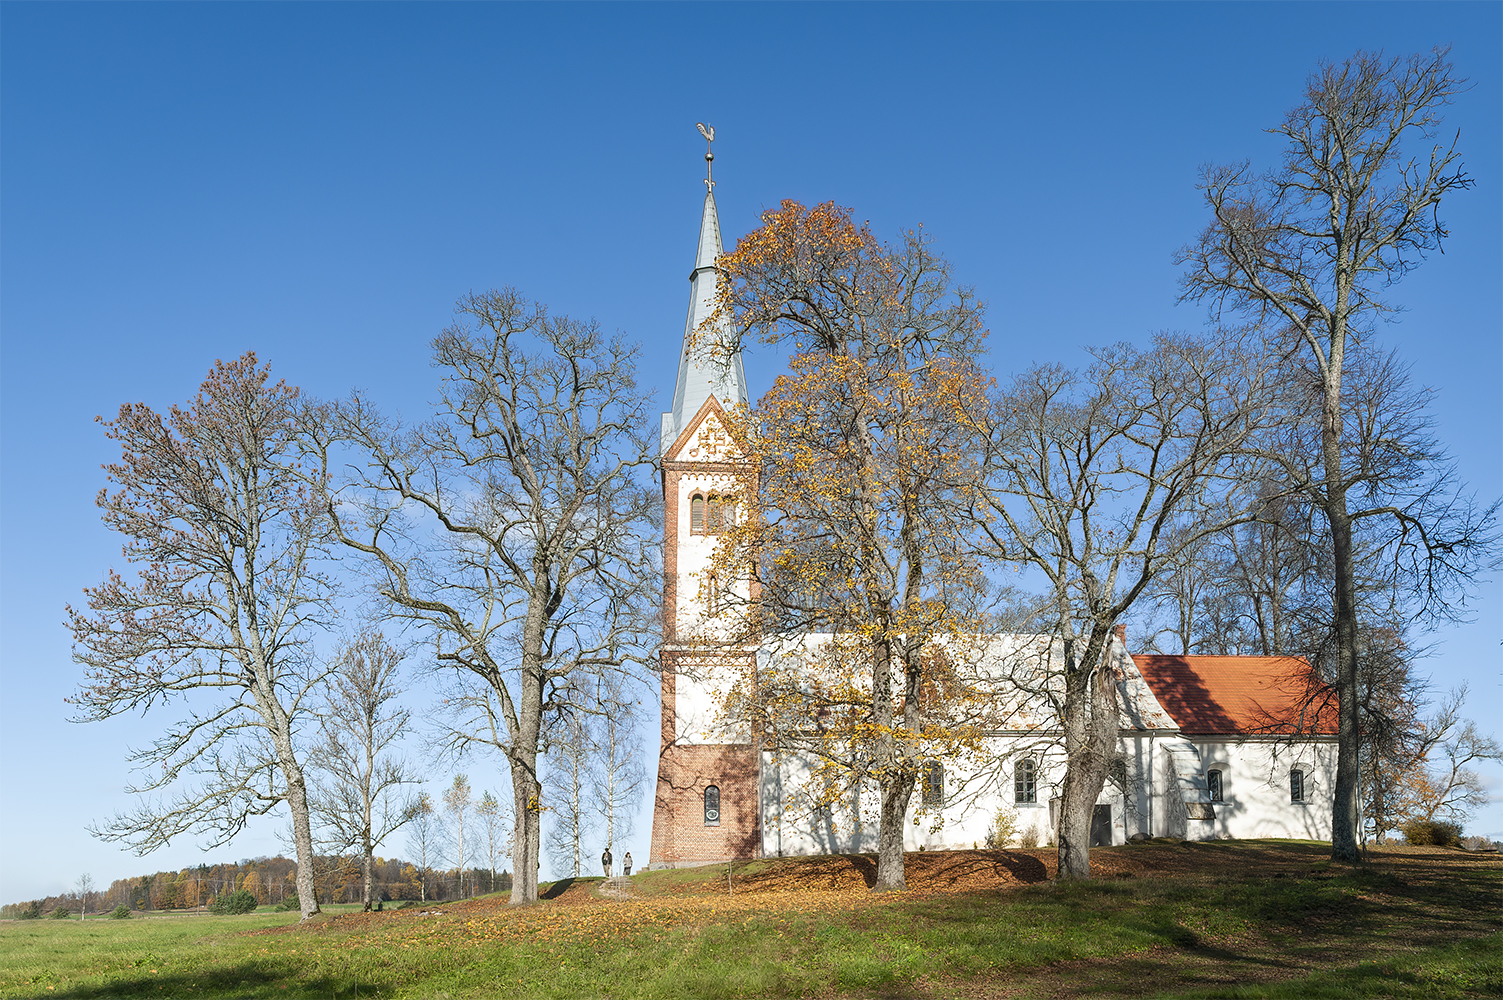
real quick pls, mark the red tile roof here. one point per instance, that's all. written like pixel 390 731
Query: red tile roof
pixel 1241 695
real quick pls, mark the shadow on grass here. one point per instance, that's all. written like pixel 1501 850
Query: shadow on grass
pixel 250 980
pixel 558 888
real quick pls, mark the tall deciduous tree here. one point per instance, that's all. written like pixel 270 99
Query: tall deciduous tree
pixel 85 893
pixel 426 840
pixel 570 748
pixel 617 773
pixel 459 800
pixel 514 528
pixel 1309 249
pixel 360 800
pixel 225 533
pixel 1102 482
pixel 493 826
pixel 858 469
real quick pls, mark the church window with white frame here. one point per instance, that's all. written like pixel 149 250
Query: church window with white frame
pixel 1213 784
pixel 1025 789
pixel 934 784
pixel 1296 784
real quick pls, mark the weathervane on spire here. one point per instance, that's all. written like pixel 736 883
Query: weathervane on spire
pixel 708 131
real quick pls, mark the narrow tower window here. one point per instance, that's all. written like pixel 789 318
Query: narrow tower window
pixel 697 515
pixel 712 805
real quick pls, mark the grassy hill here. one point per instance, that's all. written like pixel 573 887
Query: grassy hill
pixel 1226 919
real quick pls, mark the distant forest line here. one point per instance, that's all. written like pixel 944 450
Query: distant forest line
pixel 271 880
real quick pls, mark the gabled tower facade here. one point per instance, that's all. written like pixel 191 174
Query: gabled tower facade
pixel 707 804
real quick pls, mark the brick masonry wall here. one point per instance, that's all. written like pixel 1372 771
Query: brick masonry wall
pixel 680 835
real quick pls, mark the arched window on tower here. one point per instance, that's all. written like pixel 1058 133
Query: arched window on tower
pixel 711 513
pixel 712 805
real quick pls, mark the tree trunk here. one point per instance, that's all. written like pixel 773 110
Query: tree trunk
pixel 1091 725
pixel 1344 809
pixel 895 793
pixel 525 838
pixel 1344 820
pixel 368 871
pixel 302 836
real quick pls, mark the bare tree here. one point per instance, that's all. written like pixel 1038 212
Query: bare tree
pixel 569 752
pixel 513 527
pixel 493 825
pixel 458 801
pixel 1103 481
pixel 426 840
pixel 225 533
pixel 1308 250
pixel 85 891
pixel 361 800
pixel 618 774
pixel 1448 786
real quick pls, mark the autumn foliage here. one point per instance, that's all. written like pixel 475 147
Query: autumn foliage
pixel 859 463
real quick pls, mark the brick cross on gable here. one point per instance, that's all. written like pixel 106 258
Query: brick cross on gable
pixel 711 442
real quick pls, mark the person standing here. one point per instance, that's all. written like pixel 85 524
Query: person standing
pixel 605 861
pixel 626 864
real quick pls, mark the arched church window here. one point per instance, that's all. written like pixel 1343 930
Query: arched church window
pixel 712 805
pixel 1213 784
pixel 1025 781
pixel 934 784
pixel 1296 785
pixel 711 513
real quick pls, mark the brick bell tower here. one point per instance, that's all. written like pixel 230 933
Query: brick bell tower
pixel 707 806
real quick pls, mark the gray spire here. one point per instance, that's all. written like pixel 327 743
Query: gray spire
pixel 700 373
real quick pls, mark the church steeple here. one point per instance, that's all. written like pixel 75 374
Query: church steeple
pixel 700 373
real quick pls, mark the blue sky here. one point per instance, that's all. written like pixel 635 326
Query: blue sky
pixel 180 183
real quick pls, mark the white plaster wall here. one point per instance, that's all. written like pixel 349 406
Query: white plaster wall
pixel 1256 798
pixel 972 798
pixel 694 555
pixel 699 712
pixel 1255 788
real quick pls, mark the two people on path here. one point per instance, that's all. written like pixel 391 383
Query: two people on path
pixel 605 863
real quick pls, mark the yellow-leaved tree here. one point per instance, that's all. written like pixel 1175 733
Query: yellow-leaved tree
pixel 859 471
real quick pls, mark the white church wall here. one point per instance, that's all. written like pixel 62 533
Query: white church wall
pixel 1256 799
pixel 1148 801
pixel 699 711
pixel 694 614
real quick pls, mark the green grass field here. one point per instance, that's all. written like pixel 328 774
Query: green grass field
pixel 1258 919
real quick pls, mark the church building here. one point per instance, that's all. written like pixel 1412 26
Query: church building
pixel 1210 746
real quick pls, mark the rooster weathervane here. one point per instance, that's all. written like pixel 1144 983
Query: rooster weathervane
pixel 708 131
